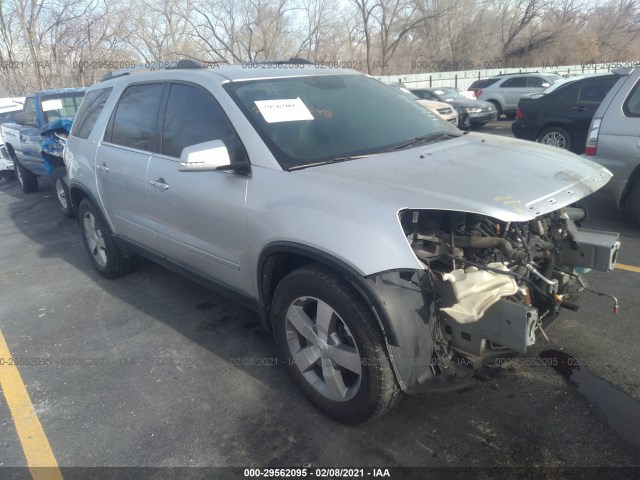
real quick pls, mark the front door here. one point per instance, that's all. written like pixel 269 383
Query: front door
pixel 199 216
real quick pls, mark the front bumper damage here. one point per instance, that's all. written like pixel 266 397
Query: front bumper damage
pixel 432 351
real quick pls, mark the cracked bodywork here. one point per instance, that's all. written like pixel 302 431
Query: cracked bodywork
pixel 463 181
pixel 54 138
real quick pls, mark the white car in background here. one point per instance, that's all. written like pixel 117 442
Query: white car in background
pixel 8 107
pixel 442 109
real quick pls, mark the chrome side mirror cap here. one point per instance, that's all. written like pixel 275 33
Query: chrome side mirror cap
pixel 203 157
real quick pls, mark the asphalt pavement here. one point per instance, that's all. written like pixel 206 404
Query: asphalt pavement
pixel 152 370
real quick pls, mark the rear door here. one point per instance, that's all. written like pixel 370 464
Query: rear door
pixel 123 158
pixel 199 216
pixel 512 89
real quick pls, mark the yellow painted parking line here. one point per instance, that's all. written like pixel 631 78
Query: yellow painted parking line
pixel 34 442
pixel 630 268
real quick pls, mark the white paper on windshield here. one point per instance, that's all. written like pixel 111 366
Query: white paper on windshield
pixel 285 110
pixel 55 104
pixel 439 92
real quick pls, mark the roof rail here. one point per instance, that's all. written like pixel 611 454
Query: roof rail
pixel 184 63
pixel 292 60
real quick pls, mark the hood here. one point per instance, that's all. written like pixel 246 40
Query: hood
pixel 468 103
pixel 507 179
pixel 432 104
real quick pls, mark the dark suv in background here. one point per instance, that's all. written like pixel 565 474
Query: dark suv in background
pixel 561 117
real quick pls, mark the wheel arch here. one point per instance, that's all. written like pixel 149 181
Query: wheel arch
pixel 634 179
pixel 278 259
pixel 77 193
pixel 556 124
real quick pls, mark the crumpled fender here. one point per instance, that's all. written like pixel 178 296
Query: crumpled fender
pixel 50 145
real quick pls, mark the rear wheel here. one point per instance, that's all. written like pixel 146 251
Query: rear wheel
pixel 556 137
pixel 62 191
pixel 106 256
pixel 332 346
pixel 633 202
pixel 28 180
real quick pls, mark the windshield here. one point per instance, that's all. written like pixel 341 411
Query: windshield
pixel 61 106
pixel 313 119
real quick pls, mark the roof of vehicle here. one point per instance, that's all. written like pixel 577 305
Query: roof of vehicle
pixel 233 73
pixel 57 91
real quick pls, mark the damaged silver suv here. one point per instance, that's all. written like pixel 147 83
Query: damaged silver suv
pixel 387 252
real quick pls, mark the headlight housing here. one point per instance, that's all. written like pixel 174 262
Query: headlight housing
pixel 472 110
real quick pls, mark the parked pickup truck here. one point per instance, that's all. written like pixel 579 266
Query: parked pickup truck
pixel 37 138
pixel 8 108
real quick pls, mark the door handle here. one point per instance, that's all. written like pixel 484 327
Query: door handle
pixel 580 108
pixel 159 184
pixel 102 167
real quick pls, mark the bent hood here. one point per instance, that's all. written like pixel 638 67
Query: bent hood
pixel 508 179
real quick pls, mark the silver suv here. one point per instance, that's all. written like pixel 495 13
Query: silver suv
pixel 614 139
pixel 387 254
pixel 504 91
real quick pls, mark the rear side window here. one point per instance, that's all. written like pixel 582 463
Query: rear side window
pixel 515 82
pixel 134 119
pixel 631 106
pixel 30 109
pixel 89 111
pixel 193 116
pixel 595 91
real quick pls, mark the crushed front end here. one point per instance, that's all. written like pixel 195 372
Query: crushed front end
pixel 489 286
pixel 497 283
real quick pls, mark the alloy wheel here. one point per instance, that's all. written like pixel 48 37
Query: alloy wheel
pixel 323 349
pixel 95 240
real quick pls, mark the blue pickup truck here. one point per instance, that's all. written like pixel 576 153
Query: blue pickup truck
pixel 36 140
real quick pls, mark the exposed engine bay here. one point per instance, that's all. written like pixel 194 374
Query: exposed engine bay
pixel 496 284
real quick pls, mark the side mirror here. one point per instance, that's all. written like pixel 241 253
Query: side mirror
pixel 22 118
pixel 546 84
pixel 207 156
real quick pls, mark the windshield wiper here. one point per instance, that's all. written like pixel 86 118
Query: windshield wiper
pixel 430 137
pixel 330 161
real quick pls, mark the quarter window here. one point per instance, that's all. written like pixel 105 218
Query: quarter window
pixel 89 111
pixel 193 116
pixel 134 118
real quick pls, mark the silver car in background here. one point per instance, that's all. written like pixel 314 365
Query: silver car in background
pixel 387 252
pixel 614 140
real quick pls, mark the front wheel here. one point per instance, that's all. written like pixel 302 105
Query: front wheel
pixel 62 192
pixel 106 256
pixel 333 346
pixel 28 180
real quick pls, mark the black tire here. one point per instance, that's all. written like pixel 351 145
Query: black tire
pixel 62 192
pixel 106 256
pixel 28 180
pixel 353 330
pixel 498 109
pixel 556 137
pixel 633 202
pixel 510 116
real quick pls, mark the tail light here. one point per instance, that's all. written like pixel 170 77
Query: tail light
pixel 592 139
pixel 478 92
pixel 519 113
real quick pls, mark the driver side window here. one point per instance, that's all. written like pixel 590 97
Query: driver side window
pixel 193 116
